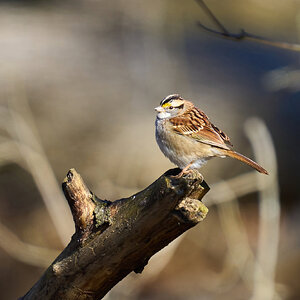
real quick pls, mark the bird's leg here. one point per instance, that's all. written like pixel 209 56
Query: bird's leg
pixel 184 171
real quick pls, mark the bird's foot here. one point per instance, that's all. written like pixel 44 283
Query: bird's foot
pixel 183 172
pixel 190 174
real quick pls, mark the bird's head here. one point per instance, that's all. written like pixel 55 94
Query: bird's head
pixel 171 106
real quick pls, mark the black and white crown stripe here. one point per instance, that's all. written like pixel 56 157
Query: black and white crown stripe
pixel 171 97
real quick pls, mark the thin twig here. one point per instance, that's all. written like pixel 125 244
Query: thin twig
pixel 22 134
pixel 241 185
pixel 26 253
pixel 269 212
pixel 213 17
pixel 242 35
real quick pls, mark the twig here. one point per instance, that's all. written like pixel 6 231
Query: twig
pixel 242 35
pixel 213 17
pixel 23 135
pixel 240 185
pixel 269 212
pixel 24 252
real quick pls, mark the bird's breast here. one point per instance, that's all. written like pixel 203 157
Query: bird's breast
pixel 180 149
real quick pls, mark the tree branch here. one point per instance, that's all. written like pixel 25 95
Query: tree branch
pixel 242 35
pixel 114 238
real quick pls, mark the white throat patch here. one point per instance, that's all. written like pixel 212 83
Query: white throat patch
pixel 163 115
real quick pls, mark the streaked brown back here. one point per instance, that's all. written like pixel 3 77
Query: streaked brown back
pixel 195 124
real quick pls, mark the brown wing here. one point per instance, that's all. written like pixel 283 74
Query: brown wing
pixel 195 124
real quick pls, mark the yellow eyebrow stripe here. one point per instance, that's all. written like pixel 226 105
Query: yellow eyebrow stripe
pixel 166 105
pixel 175 103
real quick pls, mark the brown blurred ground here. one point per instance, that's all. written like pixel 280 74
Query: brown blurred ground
pixel 91 73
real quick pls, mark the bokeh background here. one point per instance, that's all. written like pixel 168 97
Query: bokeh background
pixel 79 81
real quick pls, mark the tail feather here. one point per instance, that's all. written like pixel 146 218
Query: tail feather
pixel 246 160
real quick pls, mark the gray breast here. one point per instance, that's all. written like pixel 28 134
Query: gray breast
pixel 166 140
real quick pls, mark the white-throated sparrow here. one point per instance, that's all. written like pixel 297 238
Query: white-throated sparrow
pixel 187 137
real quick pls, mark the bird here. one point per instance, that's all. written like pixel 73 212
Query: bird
pixel 187 137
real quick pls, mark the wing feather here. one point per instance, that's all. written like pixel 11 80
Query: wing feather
pixel 196 125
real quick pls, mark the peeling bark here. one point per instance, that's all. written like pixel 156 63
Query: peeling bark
pixel 113 239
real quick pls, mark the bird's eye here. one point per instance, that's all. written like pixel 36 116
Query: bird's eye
pixel 171 107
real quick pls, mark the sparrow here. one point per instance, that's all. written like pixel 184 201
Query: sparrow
pixel 186 136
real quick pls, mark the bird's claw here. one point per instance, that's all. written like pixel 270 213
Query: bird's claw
pixel 190 174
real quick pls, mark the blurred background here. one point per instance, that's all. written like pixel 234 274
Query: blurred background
pixel 79 81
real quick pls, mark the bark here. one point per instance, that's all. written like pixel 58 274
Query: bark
pixel 113 239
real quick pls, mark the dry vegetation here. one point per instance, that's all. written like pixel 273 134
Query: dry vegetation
pixel 79 81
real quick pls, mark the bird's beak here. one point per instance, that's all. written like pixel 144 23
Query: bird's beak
pixel 159 109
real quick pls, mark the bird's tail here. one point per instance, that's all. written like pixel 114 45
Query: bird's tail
pixel 246 160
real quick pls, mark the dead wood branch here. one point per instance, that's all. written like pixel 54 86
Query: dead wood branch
pixel 113 239
pixel 242 35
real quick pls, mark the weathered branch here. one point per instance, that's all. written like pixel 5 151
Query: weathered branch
pixel 242 35
pixel 114 238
